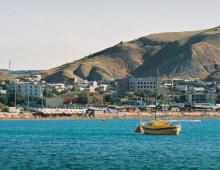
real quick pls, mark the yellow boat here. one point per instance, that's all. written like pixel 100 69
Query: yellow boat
pixel 159 127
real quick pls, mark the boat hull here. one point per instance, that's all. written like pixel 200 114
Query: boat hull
pixel 162 130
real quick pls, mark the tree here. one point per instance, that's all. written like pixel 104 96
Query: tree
pixel 19 99
pixel 218 99
pixel 82 98
pixel 75 89
pixel 107 98
pixel 47 93
pixel 183 98
pixel 149 93
pixel 129 95
pixel 3 100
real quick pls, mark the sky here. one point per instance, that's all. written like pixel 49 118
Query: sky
pixel 42 34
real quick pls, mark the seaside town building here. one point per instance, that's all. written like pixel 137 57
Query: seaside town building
pixel 24 88
pixel 3 92
pixel 37 77
pixel 201 95
pixel 57 87
pixel 54 102
pixel 181 88
pixel 138 84
pixel 102 88
pixel 122 85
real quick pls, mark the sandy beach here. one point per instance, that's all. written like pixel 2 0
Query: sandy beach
pixel 33 115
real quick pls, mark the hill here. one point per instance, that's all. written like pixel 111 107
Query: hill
pixel 190 54
pixel 5 76
pixel 18 72
pixel 214 76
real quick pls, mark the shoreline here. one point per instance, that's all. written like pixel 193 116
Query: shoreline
pixel 103 116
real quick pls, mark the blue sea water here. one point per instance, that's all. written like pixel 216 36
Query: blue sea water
pixel 110 144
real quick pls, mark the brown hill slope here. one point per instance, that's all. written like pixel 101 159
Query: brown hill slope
pixel 193 54
pixel 114 62
pixel 214 76
pixel 193 57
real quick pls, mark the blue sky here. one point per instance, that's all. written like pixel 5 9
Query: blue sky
pixel 42 34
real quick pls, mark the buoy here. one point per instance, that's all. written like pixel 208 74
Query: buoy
pixel 139 129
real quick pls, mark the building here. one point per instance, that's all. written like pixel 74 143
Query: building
pixel 91 89
pixel 3 92
pixel 37 77
pixel 201 95
pixel 2 83
pixel 122 85
pixel 95 98
pixel 218 87
pixel 29 88
pixel 137 84
pixel 54 102
pixel 70 97
pixel 102 88
pixel 181 88
pixel 58 87
pixel 180 81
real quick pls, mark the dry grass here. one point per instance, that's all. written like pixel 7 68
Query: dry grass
pixel 191 54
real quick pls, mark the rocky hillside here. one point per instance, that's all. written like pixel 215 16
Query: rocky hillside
pixel 214 76
pixel 192 54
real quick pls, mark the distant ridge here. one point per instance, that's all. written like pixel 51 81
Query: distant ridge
pixel 19 71
pixel 189 54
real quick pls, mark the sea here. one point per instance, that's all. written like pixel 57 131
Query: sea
pixel 106 144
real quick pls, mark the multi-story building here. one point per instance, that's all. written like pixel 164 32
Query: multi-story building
pixel 201 95
pixel 29 88
pixel 137 84
pixel 122 85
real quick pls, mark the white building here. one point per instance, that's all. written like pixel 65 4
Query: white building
pixel 196 89
pixel 31 89
pixel 58 87
pixel 3 92
pixel 37 77
pixel 102 88
pixel 137 84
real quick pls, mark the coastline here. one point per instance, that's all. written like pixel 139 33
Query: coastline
pixel 120 115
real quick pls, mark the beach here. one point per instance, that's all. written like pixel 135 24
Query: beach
pixel 167 114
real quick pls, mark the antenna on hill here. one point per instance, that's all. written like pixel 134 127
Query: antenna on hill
pixel 9 65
